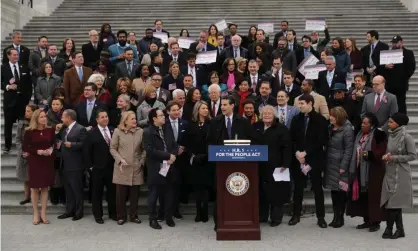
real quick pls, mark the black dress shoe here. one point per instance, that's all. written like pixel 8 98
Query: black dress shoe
pixel 135 220
pixel 23 202
pixel 64 216
pixel 77 217
pixel 154 224
pixel 170 223
pixel 322 223
pixel 275 223
pixel 387 234
pixel 399 233
pixel 99 221
pixel 363 226
pixel 178 216
pixel 374 228
pixel 294 220
pixel 197 218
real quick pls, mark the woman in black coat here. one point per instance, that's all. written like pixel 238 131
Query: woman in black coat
pixel 192 97
pixel 201 173
pixel 273 194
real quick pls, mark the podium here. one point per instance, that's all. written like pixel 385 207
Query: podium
pixel 237 190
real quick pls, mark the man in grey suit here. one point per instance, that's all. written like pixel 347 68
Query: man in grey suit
pixel 285 113
pixel 127 68
pixel 382 103
pixel 72 136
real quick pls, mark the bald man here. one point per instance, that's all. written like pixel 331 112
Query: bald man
pixel 236 50
pixel 91 50
pixel 382 103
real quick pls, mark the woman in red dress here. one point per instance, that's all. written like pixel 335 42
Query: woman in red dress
pixel 39 142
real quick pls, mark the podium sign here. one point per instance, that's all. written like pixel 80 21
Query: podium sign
pixel 237 190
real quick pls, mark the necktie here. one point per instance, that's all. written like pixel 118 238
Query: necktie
pixel 175 130
pixel 282 116
pixel 287 89
pixel 106 136
pixel 66 134
pixel 214 109
pixel 129 68
pixel 291 47
pixel 16 73
pixel 175 59
pixel 95 46
pixel 18 49
pixel 89 110
pixel 162 137
pixel 329 78
pixel 229 127
pixel 53 60
pixel 43 53
pixel 372 47
pixel 377 104
pixel 306 120
pixel 254 81
pixel 80 73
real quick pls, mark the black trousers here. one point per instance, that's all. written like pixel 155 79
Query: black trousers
pixel 339 201
pixel 122 192
pixel 73 185
pixel 266 208
pixel 401 99
pixel 166 194
pixel 102 177
pixel 300 181
pixel 10 116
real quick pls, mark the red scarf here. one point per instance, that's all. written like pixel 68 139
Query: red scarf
pixel 243 96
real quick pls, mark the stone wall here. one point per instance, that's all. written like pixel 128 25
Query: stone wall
pixel 412 5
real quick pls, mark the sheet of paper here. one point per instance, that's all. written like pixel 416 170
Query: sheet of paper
pixel 164 168
pixel 206 57
pixel 310 60
pixel 312 71
pixel 315 24
pixel 266 27
pixel 278 176
pixel 161 35
pixel 391 57
pixel 221 25
pixel 185 42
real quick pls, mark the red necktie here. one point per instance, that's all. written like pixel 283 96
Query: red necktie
pixel 214 109
pixel 377 104
pixel 107 139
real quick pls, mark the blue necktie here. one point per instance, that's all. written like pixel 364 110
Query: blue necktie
pixel 80 74
pixel 229 127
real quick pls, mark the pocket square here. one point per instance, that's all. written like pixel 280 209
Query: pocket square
pixel 23 74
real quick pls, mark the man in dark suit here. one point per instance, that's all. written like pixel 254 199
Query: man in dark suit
pixel 22 51
pixel 327 78
pixel 283 33
pixel 75 79
pixel 128 67
pixel 292 43
pixel 176 55
pixel 309 133
pixel 288 57
pixel 161 151
pixel 163 95
pixel 98 158
pixel 72 137
pixel 293 90
pixel 203 44
pixel 304 51
pixel 144 43
pixel 265 97
pixel 159 27
pixel 254 79
pixel 397 75
pixel 371 55
pixel 214 101
pixel 87 109
pixel 91 50
pixel 236 50
pixel 58 64
pixel 175 127
pixel 17 86
pixel 199 72
pixel 36 56
pixel 233 30
pixel 260 39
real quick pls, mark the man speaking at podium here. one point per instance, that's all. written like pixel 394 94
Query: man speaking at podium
pixel 228 126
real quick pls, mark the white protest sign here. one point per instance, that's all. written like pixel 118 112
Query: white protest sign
pixel 266 27
pixel 206 57
pixel 312 71
pixel 315 24
pixel 161 35
pixel 310 60
pixel 221 25
pixel 185 42
pixel 391 57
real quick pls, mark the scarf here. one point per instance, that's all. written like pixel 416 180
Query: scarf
pixel 254 118
pixel 150 101
pixel 230 83
pixel 243 96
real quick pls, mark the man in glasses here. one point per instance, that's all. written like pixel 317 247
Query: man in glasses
pixel 328 78
pixel 163 95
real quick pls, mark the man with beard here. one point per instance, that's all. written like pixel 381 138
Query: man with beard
pixel 397 75
pixel 36 55
pixel 58 64
pixel 144 43
pixel 233 28
pixel 117 51
pixel 288 57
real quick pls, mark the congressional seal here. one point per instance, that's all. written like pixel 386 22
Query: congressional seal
pixel 237 184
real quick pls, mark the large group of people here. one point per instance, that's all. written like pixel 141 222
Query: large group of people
pixel 122 112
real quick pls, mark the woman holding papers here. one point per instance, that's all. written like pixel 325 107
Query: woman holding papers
pixel 127 150
pixel 274 174
pixel 366 174
pixel 339 152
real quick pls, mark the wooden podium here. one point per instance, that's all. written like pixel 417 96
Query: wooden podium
pixel 237 190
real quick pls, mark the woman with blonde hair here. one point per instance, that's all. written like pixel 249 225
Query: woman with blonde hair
pixel 124 86
pixel 123 104
pixel 242 65
pixel 201 173
pixel 127 149
pixel 150 101
pixel 39 142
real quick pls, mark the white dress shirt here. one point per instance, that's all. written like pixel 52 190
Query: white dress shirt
pixel 330 76
pixel 13 71
pixel 158 92
pixel 103 132
pixel 192 71
pixel 218 103
pixel 288 88
pixel 69 130
pixel 381 96
pixel 279 111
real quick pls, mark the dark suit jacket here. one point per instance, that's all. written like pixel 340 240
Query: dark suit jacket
pixel 73 156
pixel 73 86
pixel 259 101
pixel 300 54
pixel 24 85
pixel 156 154
pixel 276 38
pixel 294 92
pixel 59 65
pixel 397 78
pixel 229 52
pixel 35 58
pixel 96 150
pixel 365 52
pixel 121 70
pixel 167 59
pixel 143 44
pixel 181 127
pixel 321 83
pixel 81 110
pixel 193 49
pixel 218 132
pixel 202 72
pixel 218 112
pixel 313 142
pixel 91 56
pixel 23 56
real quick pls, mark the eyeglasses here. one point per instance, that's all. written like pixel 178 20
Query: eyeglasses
pixel 160 115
